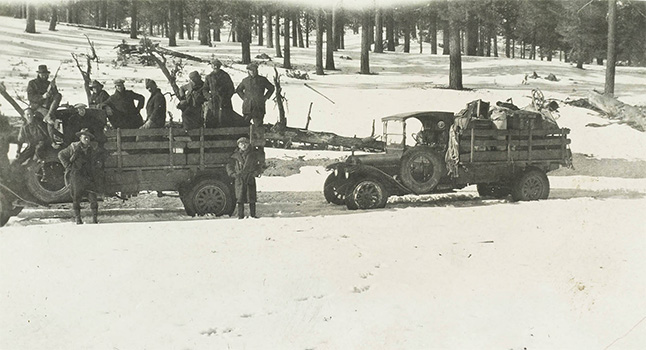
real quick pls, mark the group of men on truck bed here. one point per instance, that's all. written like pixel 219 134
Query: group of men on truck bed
pixel 79 145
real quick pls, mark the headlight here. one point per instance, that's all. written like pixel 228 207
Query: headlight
pixel 441 125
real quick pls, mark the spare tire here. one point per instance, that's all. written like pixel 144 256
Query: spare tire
pixel 46 181
pixel 421 170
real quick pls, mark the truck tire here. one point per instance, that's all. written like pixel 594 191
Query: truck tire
pixel 366 194
pixel 50 188
pixel 530 186
pixel 209 196
pixel 497 191
pixel 331 188
pixel 421 170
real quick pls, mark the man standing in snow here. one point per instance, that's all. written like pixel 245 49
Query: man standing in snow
pixel 191 101
pixel 218 89
pixel 155 107
pixel 254 90
pixel 121 109
pixel 82 161
pixel 244 166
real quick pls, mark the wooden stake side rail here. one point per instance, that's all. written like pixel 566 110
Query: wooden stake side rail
pixel 172 148
pixel 487 146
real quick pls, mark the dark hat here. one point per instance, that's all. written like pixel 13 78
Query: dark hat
pixel 252 66
pixel 43 69
pixel 194 74
pixel 243 139
pixel 216 62
pixel 119 82
pixel 95 83
pixel 80 105
pixel 86 132
pixel 150 84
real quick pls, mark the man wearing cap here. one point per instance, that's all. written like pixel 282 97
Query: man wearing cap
pixel 92 119
pixel 244 166
pixel 254 90
pixel 82 162
pixel 155 107
pixel 98 95
pixel 191 101
pixel 43 95
pixel 121 109
pixel 218 89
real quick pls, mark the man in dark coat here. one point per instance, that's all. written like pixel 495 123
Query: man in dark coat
pixel 218 89
pixel 254 90
pixel 155 107
pixel 82 162
pixel 92 119
pixel 121 109
pixel 244 166
pixel 98 95
pixel 43 95
pixel 191 101
pixel 35 134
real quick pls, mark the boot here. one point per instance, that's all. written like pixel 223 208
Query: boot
pixel 252 210
pixel 240 211
pixel 77 214
pixel 95 214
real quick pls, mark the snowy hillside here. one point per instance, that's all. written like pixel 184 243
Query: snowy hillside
pixel 449 271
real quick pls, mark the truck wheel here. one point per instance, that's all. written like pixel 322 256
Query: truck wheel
pixel 209 196
pixel 493 191
pixel 530 186
pixel 367 194
pixel 46 181
pixel 331 188
pixel 421 170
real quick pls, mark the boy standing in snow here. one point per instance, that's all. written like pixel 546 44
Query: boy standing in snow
pixel 244 166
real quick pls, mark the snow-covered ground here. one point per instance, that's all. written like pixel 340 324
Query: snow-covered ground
pixel 433 272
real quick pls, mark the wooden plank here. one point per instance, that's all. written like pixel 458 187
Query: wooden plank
pixel 144 145
pixel 120 160
pixel 491 156
pixel 201 148
pixel 496 132
pixel 145 160
pixel 551 142
pixel 146 132
pixel 211 144
pixel 209 158
pixel 233 131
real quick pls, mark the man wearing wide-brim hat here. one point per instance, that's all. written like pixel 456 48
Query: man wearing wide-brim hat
pixel 244 166
pixel 98 95
pixel 83 162
pixel 43 95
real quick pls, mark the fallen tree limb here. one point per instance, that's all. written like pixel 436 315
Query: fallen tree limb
pixel 635 117
pixel 324 139
pixel 12 102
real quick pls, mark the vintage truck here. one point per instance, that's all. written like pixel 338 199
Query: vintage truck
pixel 451 152
pixel 191 163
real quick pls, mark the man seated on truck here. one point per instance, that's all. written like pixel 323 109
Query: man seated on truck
pixel 44 99
pixel 82 161
pixel 84 118
pixel 121 109
pixel 35 134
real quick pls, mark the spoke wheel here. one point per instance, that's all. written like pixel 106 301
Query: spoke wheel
pixel 367 194
pixel 331 188
pixel 210 196
pixel 530 186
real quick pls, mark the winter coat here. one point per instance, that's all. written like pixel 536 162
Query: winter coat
pixel 243 168
pixel 192 99
pixel 98 98
pixel 94 120
pixel 155 110
pixel 218 89
pixel 36 88
pixel 125 115
pixel 83 165
pixel 254 91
